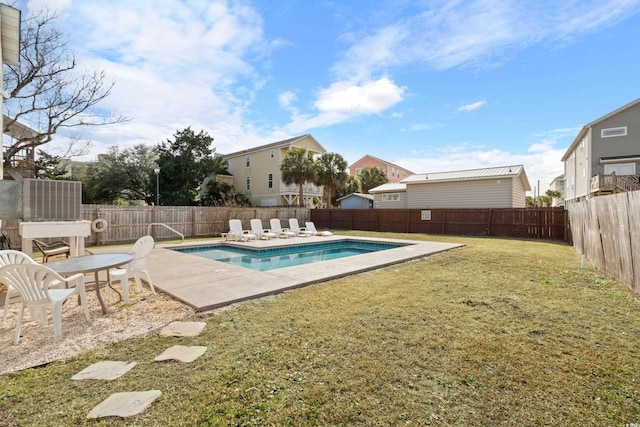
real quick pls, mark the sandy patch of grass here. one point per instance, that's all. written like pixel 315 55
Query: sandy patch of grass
pixel 499 332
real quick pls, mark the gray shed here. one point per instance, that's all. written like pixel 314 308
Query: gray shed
pixel 356 201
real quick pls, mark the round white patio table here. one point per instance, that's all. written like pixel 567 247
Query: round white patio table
pixel 90 264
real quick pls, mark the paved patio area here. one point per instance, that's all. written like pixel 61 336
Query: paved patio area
pixel 205 284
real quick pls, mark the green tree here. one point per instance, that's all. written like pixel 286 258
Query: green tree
pixel 184 164
pixel 222 194
pixel 371 177
pixel 50 167
pixel 529 202
pixel 331 172
pixel 298 168
pixel 120 176
pixel 352 185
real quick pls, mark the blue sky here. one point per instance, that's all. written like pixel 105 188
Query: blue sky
pixel 432 85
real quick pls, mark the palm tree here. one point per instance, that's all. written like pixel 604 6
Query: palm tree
pixel 331 171
pixel 297 168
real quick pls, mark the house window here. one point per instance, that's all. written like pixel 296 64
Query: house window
pixel 612 132
pixel 270 180
pixel 391 197
pixel 272 153
pixel 620 169
pixel 358 170
pixel 247 160
pixel 248 183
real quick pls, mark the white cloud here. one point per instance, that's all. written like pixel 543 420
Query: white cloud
pixel 541 162
pixel 286 99
pixel 477 33
pixel 350 99
pixel 419 127
pixel 174 65
pixel 473 106
pixel 345 100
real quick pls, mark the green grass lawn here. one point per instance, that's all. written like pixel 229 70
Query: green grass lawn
pixel 499 332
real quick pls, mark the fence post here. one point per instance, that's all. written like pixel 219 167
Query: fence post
pixel 98 214
pixel 539 215
pixel 489 225
pixel 152 219
pixel 408 229
pixel 193 221
pixel 444 221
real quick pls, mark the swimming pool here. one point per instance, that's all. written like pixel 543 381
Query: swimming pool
pixel 285 256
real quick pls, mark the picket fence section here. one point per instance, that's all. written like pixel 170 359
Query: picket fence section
pixel 606 229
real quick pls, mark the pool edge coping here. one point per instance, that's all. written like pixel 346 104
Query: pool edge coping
pixel 234 284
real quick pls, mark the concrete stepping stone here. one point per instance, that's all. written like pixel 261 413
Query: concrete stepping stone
pixel 106 370
pixel 183 329
pixel 125 404
pixel 182 353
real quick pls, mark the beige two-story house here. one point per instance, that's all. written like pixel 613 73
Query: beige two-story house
pixel 256 174
pixel 605 156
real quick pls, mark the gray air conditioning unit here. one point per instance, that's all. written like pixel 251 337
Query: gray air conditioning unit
pixel 41 200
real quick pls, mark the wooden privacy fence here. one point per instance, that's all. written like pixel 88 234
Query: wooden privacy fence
pixel 542 223
pixel 128 223
pixel 606 229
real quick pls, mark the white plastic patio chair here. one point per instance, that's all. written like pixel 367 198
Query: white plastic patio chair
pixel 300 231
pixel 34 283
pixel 237 233
pixel 281 232
pixel 8 257
pixel 261 233
pixel 312 227
pixel 136 269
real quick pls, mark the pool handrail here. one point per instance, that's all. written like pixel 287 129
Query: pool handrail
pixel 167 227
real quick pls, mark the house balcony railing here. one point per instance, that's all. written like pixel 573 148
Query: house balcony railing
pixel 22 165
pixel 608 184
pixel 307 189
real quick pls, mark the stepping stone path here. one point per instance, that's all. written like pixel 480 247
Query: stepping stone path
pixel 125 404
pixel 106 370
pixel 181 353
pixel 128 404
pixel 182 329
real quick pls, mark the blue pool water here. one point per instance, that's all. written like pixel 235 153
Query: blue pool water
pixel 285 256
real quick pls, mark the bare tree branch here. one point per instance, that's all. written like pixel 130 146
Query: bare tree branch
pixel 45 90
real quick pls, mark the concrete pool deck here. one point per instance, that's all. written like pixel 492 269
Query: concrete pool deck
pixel 205 284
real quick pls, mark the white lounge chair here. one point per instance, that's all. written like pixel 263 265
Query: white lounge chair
pixel 312 227
pixel 261 233
pixel 136 268
pixel 237 233
pixel 281 232
pixel 300 231
pixel 34 282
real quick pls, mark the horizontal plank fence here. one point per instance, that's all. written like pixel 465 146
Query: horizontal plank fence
pixel 606 229
pixel 542 223
pixel 128 223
